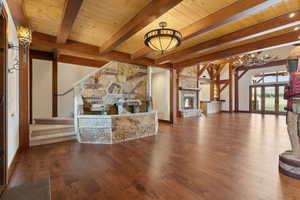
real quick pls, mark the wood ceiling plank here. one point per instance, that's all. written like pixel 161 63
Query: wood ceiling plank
pixel 275 24
pixel 79 48
pixel 223 16
pixel 147 15
pixel 273 42
pixel 71 10
pixel 16 9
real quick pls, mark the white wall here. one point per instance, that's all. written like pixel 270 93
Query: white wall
pixel 160 90
pixel 68 74
pixel 41 88
pixel 12 93
pixel 204 92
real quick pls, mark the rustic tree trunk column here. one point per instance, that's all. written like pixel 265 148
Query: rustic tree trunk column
pixel 54 85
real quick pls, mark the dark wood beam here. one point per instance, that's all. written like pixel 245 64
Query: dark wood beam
pixel 242 74
pixel 16 10
pixel 224 86
pixel 202 70
pixel 230 88
pixel 55 85
pixel 236 91
pixel 81 61
pixel 82 49
pixel 173 95
pixel 42 55
pixel 71 10
pixel 260 45
pixel 234 11
pixel 24 102
pixel 275 24
pixel 147 15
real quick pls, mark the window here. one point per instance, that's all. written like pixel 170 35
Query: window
pixel 270 77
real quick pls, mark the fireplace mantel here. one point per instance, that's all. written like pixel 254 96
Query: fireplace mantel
pixel 190 89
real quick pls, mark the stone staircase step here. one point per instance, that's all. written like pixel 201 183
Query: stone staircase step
pixel 43 129
pixel 52 140
pixel 55 120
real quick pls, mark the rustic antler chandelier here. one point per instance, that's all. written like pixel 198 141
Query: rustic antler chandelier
pixel 163 39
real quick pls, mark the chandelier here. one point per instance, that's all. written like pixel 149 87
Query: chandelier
pixel 254 59
pixel 162 39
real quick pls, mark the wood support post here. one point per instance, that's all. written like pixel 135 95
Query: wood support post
pixel 173 95
pixel 177 91
pixel 54 85
pixel 230 88
pixel 197 85
pixel 24 103
pixel 30 88
pixel 236 91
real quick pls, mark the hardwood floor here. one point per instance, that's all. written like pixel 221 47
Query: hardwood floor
pixel 223 157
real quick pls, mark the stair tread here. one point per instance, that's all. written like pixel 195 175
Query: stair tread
pixel 45 127
pixel 51 136
pixel 52 140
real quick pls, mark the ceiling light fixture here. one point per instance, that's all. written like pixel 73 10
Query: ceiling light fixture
pixel 296 28
pixel 292 15
pixel 162 39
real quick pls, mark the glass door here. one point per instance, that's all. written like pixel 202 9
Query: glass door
pixel 267 99
pixel 270 99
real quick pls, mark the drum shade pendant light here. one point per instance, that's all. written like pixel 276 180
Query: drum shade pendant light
pixel 163 39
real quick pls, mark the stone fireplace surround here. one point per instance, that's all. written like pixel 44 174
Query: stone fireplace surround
pixel 190 112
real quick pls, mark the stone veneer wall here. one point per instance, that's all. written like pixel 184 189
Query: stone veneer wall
pixel 188 83
pixel 113 82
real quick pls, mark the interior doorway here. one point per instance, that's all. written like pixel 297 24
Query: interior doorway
pixel 267 99
pixel 3 99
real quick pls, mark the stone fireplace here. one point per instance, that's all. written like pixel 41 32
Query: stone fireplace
pixel 189 102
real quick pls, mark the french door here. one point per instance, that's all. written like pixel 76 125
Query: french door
pixel 267 99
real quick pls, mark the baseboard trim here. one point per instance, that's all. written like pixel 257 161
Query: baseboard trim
pixel 12 166
pixel 244 111
pixel 164 121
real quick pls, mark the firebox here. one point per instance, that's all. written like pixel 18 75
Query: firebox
pixel 188 102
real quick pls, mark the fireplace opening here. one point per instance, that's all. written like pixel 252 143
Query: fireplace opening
pixel 188 102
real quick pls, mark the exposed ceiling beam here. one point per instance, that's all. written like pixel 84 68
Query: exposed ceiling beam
pixel 272 25
pixel 201 71
pixel 78 48
pixel 71 10
pixel 147 15
pixel 223 16
pixel 261 45
pixel 16 10
pixel 81 61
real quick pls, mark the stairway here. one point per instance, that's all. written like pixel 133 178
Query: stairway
pixel 51 130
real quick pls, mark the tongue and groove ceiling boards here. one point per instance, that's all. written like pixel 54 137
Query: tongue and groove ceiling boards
pixel 115 29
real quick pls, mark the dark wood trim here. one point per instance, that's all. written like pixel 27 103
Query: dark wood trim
pixel 173 95
pixel 55 85
pixel 71 11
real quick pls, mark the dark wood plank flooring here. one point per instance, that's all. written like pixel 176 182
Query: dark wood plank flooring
pixel 223 157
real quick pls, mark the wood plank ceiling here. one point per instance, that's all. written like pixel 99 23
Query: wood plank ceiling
pixel 115 29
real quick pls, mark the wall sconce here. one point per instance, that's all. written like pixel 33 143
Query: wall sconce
pixel 24 35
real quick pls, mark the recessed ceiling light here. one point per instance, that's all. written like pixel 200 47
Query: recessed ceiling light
pixel 296 28
pixel 292 15
pixel 299 37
